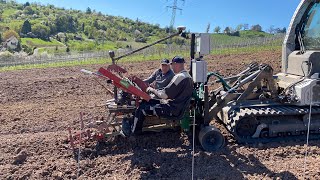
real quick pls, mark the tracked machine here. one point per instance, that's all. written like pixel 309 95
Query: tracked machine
pixel 254 105
pixel 260 106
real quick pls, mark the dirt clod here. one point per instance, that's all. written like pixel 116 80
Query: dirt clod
pixel 20 158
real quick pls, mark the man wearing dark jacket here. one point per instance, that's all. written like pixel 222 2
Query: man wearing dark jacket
pixel 178 92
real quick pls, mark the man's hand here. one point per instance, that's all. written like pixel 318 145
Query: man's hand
pixel 150 90
pixel 152 85
pixel 159 93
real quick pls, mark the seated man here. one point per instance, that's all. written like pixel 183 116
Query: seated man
pixel 162 76
pixel 178 92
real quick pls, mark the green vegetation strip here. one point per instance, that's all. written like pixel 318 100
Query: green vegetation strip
pixel 241 50
pixel 39 42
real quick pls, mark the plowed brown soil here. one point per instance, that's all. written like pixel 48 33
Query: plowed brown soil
pixel 37 106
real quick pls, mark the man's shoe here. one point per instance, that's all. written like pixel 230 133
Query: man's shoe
pixel 126 127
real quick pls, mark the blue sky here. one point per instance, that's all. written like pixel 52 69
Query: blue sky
pixel 196 14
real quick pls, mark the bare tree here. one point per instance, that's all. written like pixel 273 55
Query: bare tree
pixel 208 28
pixel 245 26
pixel 271 29
pixel 239 27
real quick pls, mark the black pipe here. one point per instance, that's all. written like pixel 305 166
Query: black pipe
pixel 192 50
pixel 206 106
pixel 115 89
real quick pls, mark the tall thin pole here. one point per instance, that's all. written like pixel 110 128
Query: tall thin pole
pixel 174 8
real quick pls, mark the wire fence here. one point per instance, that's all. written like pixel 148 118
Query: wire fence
pixel 217 46
pixel 274 40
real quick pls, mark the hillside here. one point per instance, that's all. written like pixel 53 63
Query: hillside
pixel 89 30
pixel 54 30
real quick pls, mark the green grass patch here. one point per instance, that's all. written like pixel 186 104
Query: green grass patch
pixel 90 45
pixel 245 36
pixel 55 64
pixel 7 12
pixel 52 50
pixel 36 42
pixel 251 49
pixel 225 39
pixel 133 44
pixel 254 34
pixel 14 24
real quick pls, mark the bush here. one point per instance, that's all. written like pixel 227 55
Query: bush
pixel 28 10
pixel 27 49
pixel 41 31
pixel 5 55
pixel 68 49
pixel 7 34
pixel 236 33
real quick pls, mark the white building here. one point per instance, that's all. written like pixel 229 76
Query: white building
pixel 11 43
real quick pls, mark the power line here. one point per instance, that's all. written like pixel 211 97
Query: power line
pixel 174 8
pixel 157 17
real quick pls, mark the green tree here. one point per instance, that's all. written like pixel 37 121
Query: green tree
pixel 68 49
pixel 7 34
pixel 53 28
pixel 82 27
pixel 28 10
pixel 100 35
pixel 27 49
pixel 88 11
pixel 26 27
pixel 284 30
pixel 96 24
pixel 26 4
pixel 90 31
pixel 217 29
pixel 179 40
pixel 239 27
pixel 256 27
pixel 41 31
pixel 227 30
pixel 65 23
pixel 104 27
